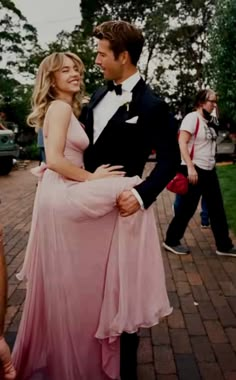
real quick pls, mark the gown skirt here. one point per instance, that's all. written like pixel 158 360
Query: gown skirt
pixel 91 275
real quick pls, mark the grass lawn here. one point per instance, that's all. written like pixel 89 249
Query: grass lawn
pixel 227 177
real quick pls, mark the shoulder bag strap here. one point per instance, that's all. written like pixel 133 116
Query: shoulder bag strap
pixel 195 135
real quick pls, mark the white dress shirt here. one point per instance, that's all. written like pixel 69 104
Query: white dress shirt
pixel 109 105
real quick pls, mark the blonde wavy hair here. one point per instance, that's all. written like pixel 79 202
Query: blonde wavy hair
pixel 44 92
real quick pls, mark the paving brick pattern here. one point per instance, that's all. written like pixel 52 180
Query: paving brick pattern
pixel 198 341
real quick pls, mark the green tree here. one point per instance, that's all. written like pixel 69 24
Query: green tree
pixel 223 61
pixel 17 40
pixel 17 105
pixel 94 12
pixel 187 50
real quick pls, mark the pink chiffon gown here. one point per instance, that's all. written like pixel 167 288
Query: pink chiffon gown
pixel 91 274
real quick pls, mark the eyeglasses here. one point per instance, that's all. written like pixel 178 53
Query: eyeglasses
pixel 212 100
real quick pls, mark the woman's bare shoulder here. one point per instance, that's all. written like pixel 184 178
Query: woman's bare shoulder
pixel 59 109
pixel 58 105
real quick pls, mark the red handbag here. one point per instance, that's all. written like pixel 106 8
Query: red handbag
pixel 179 184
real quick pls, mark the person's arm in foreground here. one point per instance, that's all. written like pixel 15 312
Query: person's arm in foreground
pixel 5 356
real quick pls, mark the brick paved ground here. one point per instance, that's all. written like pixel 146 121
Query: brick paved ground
pixel 198 341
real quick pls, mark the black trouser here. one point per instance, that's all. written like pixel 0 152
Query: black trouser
pixel 208 186
pixel 128 356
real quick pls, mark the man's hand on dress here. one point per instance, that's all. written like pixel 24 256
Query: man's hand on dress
pixel 8 370
pixel 127 203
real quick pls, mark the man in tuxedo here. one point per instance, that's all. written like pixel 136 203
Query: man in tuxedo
pixel 125 120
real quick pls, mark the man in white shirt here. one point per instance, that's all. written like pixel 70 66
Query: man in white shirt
pixel 125 120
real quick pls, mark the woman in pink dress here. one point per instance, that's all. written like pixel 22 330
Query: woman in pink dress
pixel 91 274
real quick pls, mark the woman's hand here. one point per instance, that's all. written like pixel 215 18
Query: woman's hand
pixel 105 171
pixel 192 175
pixel 9 372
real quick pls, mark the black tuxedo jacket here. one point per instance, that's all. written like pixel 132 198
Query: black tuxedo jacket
pixel 129 144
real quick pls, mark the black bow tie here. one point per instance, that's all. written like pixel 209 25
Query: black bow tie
pixel 116 87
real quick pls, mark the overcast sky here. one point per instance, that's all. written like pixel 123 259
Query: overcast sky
pixel 50 16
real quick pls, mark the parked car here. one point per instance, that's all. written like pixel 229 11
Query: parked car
pixel 225 146
pixel 9 150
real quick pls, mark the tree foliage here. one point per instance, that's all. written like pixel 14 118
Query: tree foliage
pixel 17 40
pixel 223 62
pixel 17 37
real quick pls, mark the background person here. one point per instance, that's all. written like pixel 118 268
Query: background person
pixel 203 180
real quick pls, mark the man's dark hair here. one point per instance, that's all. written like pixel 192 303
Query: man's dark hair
pixel 122 36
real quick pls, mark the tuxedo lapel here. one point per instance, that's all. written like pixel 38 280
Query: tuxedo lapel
pixel 100 93
pixel 120 115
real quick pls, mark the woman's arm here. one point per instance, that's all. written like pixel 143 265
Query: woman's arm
pixel 184 138
pixel 57 123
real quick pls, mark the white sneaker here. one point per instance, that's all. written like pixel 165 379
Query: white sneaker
pixel 231 252
pixel 177 249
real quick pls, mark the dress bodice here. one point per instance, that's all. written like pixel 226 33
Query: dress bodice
pixel 76 142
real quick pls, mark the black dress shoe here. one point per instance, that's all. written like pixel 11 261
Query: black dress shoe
pixel 128 356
